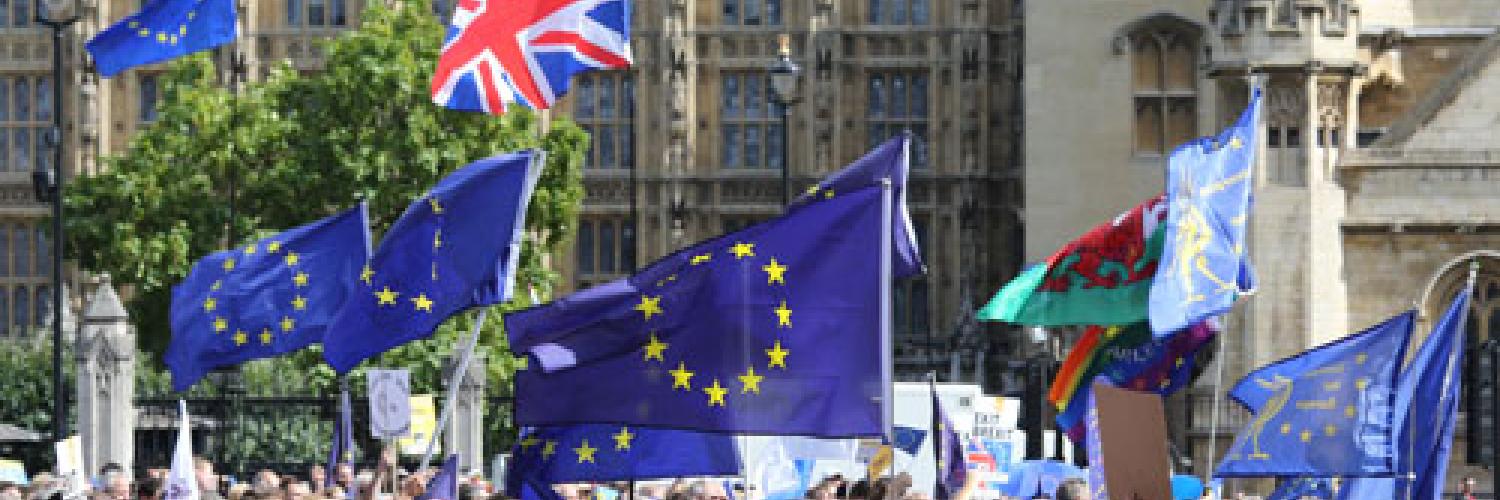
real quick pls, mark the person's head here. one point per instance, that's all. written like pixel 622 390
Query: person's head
pixel 117 485
pixel 1469 484
pixel 203 471
pixel 1072 489
pixel 110 468
pixel 10 491
pixel 148 488
pixel 317 475
pixel 298 490
pixel 344 475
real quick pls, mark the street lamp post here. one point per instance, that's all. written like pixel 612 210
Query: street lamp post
pixel 786 83
pixel 48 185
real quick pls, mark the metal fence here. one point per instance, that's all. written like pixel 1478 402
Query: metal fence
pixel 286 434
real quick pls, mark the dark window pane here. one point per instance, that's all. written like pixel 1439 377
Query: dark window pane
pixel 627 247
pixel 773 12
pixel 316 10
pixel 919 319
pixel 753 98
pixel 731 146
pixel 919 96
pixel 752 12
pixel 731 88
pixel 294 12
pixel 583 98
pixel 607 247
pixel 4 151
pixel 20 147
pixel 4 95
pixel 4 312
pixel 40 149
pixel 898 96
pixel 339 15
pixel 23 308
pixel 148 98
pixel 5 13
pixel 896 11
pixel 606 91
pixel 1273 137
pixel 752 146
pixel 43 305
pixel 876 135
pixel 43 253
pixel 919 146
pixel 604 140
pixel 23 100
pixel 627 95
pixel 919 11
pixel 875 11
pixel 1293 137
pixel 731 12
pixel 585 248
pixel 22 246
pixel 5 250
pixel 22 12
pixel 43 98
pixel 626 136
pixel 877 96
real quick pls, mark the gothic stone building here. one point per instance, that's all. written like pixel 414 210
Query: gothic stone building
pixel 693 123
pixel 1378 170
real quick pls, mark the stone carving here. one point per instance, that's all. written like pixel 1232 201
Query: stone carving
pixel 465 432
pixel 105 356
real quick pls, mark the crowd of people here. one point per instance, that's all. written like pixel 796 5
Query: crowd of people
pixel 115 483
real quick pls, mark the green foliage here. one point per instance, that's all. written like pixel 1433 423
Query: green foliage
pixel 295 148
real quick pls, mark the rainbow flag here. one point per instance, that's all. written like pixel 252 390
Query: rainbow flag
pixel 1102 278
pixel 1131 358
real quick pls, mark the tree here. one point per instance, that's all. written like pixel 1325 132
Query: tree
pixel 297 147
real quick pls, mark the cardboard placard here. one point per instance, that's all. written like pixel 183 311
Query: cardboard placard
pixel 1132 444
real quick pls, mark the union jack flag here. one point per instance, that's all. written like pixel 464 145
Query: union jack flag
pixel 524 51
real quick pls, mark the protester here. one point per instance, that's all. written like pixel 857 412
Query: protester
pixel 1072 489
pixel 208 482
pixel 148 488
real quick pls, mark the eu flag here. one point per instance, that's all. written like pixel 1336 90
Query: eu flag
pixel 952 469
pixel 908 439
pixel 163 29
pixel 453 249
pixel 769 330
pixel 1203 266
pixel 271 297
pixel 1325 412
pixel 600 452
pixel 444 484
pixel 890 160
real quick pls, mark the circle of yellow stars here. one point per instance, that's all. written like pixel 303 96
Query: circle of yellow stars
pixel 584 452
pixel 714 391
pixel 266 336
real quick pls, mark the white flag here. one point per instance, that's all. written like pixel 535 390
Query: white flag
pixel 181 482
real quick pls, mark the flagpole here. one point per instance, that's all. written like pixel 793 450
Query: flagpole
pixel 464 356
pixel 937 457
pixel 887 399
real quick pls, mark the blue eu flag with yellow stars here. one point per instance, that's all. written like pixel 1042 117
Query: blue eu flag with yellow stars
pixel 952 470
pixel 773 329
pixel 1203 266
pixel 1325 412
pixel 890 160
pixel 601 452
pixel 271 297
pixel 162 30
pixel 453 249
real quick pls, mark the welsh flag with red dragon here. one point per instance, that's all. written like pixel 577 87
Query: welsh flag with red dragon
pixel 1101 278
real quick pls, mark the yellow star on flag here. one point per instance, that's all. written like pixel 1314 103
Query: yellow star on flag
pixel 828 194
pixel 812 190
pixel 654 349
pixel 421 302
pixel 209 304
pixel 750 381
pixel 299 302
pixel 1306 436
pixel 649 306
pixel 273 247
pixel 250 250
pixel 386 297
pixel 300 279
pixel 1235 143
pixel 681 377
pixel 775 272
pixel 585 452
pixel 622 439
pixel 527 443
pixel 777 355
pixel 1286 428
pixel 549 448
pixel 742 250
pixel 240 338
pixel 287 323
pixel 217 285
pixel 1361 384
pixel 1349 411
pixel 437 239
pixel 437 208
pixel 292 258
pixel 229 264
pixel 220 324
pixel 715 393
pixel 366 273
pixel 1329 430
pixel 699 259
pixel 1360 358
pixel 265 337
pixel 783 315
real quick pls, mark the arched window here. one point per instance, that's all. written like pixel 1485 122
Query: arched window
pixel 1164 81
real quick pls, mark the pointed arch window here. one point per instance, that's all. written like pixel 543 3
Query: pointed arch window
pixel 1164 82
